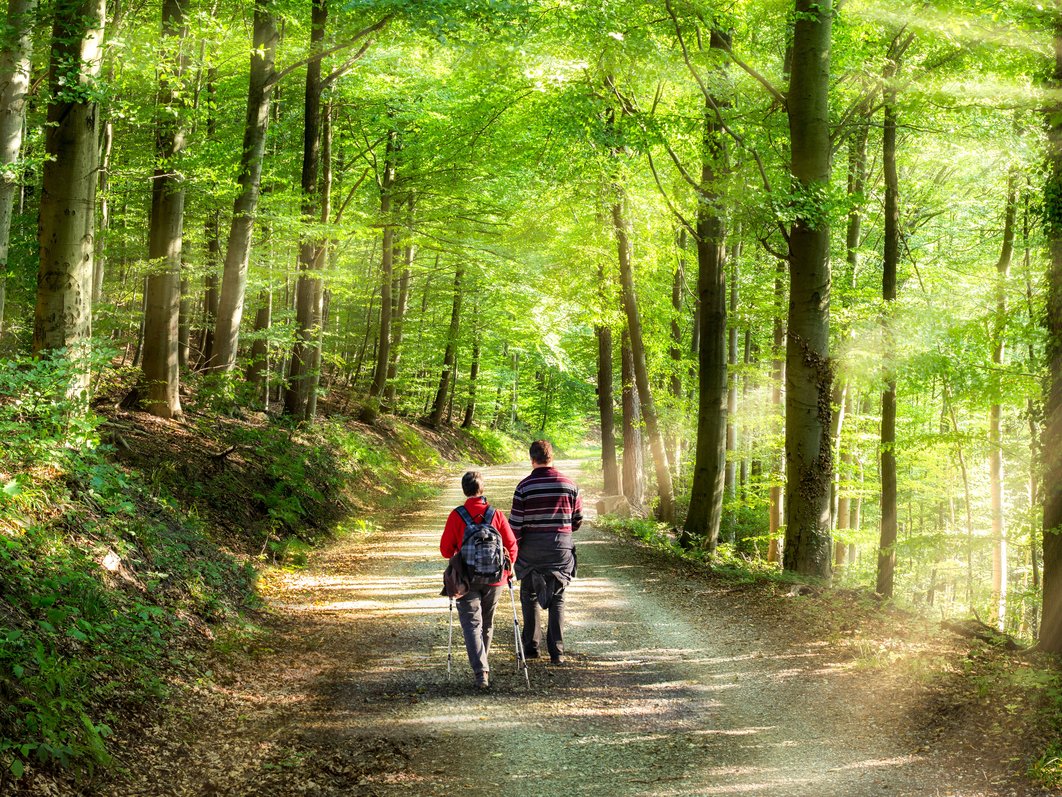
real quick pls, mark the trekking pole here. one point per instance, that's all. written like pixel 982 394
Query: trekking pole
pixel 521 660
pixel 450 642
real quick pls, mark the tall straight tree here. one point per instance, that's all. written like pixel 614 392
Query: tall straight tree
pixel 995 411
pixel 605 396
pixel 808 371
pixel 383 346
pixel 890 261
pixel 1051 617
pixel 438 407
pixel 709 470
pixel 238 249
pixel 629 296
pixel 63 313
pixel 629 301
pixel 162 291
pixel 16 49
pixel 297 389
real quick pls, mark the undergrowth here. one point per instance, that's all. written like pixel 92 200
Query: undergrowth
pixel 728 559
pixel 123 564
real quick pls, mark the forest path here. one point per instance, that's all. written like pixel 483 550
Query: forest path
pixel 666 692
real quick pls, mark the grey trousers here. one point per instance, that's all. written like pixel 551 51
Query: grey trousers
pixel 476 612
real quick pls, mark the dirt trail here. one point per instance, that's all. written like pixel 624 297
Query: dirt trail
pixel 666 693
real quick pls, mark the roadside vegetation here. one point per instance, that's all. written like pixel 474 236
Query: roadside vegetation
pixel 130 547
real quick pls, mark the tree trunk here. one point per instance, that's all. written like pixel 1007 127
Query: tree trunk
pixel 605 397
pixel 297 389
pixel 100 266
pixel 674 438
pixel 319 292
pixel 730 481
pixel 63 314
pixel 641 372
pixel 212 233
pixel 995 432
pixel 709 470
pixel 383 348
pixel 808 371
pixel 470 408
pixel 633 465
pixel 775 507
pixel 398 320
pixel 887 541
pixel 160 362
pixel 15 65
pixel 439 405
pixel 606 410
pixel 238 249
pixel 258 369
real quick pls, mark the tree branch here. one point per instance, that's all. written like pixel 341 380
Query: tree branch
pixel 361 34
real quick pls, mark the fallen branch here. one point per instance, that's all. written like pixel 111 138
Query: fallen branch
pixel 975 629
pixel 223 454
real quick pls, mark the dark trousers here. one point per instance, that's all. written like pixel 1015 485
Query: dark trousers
pixel 532 631
pixel 476 612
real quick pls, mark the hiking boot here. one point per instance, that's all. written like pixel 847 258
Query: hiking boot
pixel 532 654
pixel 557 661
pixel 483 681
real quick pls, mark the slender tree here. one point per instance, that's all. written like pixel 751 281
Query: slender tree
pixel 245 206
pixel 16 50
pixel 809 374
pixel 162 297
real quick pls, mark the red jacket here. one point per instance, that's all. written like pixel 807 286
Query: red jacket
pixel 454 532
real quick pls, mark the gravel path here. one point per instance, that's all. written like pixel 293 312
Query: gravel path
pixel 668 691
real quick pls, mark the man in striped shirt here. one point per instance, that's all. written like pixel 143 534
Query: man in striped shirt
pixel 546 510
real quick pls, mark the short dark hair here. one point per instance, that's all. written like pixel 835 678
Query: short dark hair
pixel 541 452
pixel 472 483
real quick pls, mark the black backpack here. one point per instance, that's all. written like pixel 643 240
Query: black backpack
pixel 482 552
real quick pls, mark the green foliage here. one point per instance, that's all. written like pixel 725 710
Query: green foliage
pixel 499 446
pixel 92 608
pixel 44 421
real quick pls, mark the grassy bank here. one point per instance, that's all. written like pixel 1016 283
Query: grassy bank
pixel 130 546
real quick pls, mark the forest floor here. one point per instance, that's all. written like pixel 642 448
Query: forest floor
pixel 679 682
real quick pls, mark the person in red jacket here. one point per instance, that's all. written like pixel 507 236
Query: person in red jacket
pixel 476 609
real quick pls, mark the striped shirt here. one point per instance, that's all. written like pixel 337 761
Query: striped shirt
pixel 546 502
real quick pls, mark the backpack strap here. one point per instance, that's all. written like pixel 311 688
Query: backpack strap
pixel 463 514
pixel 488 516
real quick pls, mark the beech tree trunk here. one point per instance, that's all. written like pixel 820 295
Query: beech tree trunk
pixel 63 314
pixel 605 397
pixel 606 410
pixel 890 261
pixel 297 389
pixel 641 371
pixel 674 437
pixel 383 347
pixel 470 408
pixel 16 51
pixel 730 481
pixel 398 320
pixel 160 361
pixel 709 469
pixel 100 266
pixel 809 374
pixel 212 233
pixel 449 358
pixel 258 368
pixel 775 508
pixel 238 248
pixel 633 464
pixel 995 413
